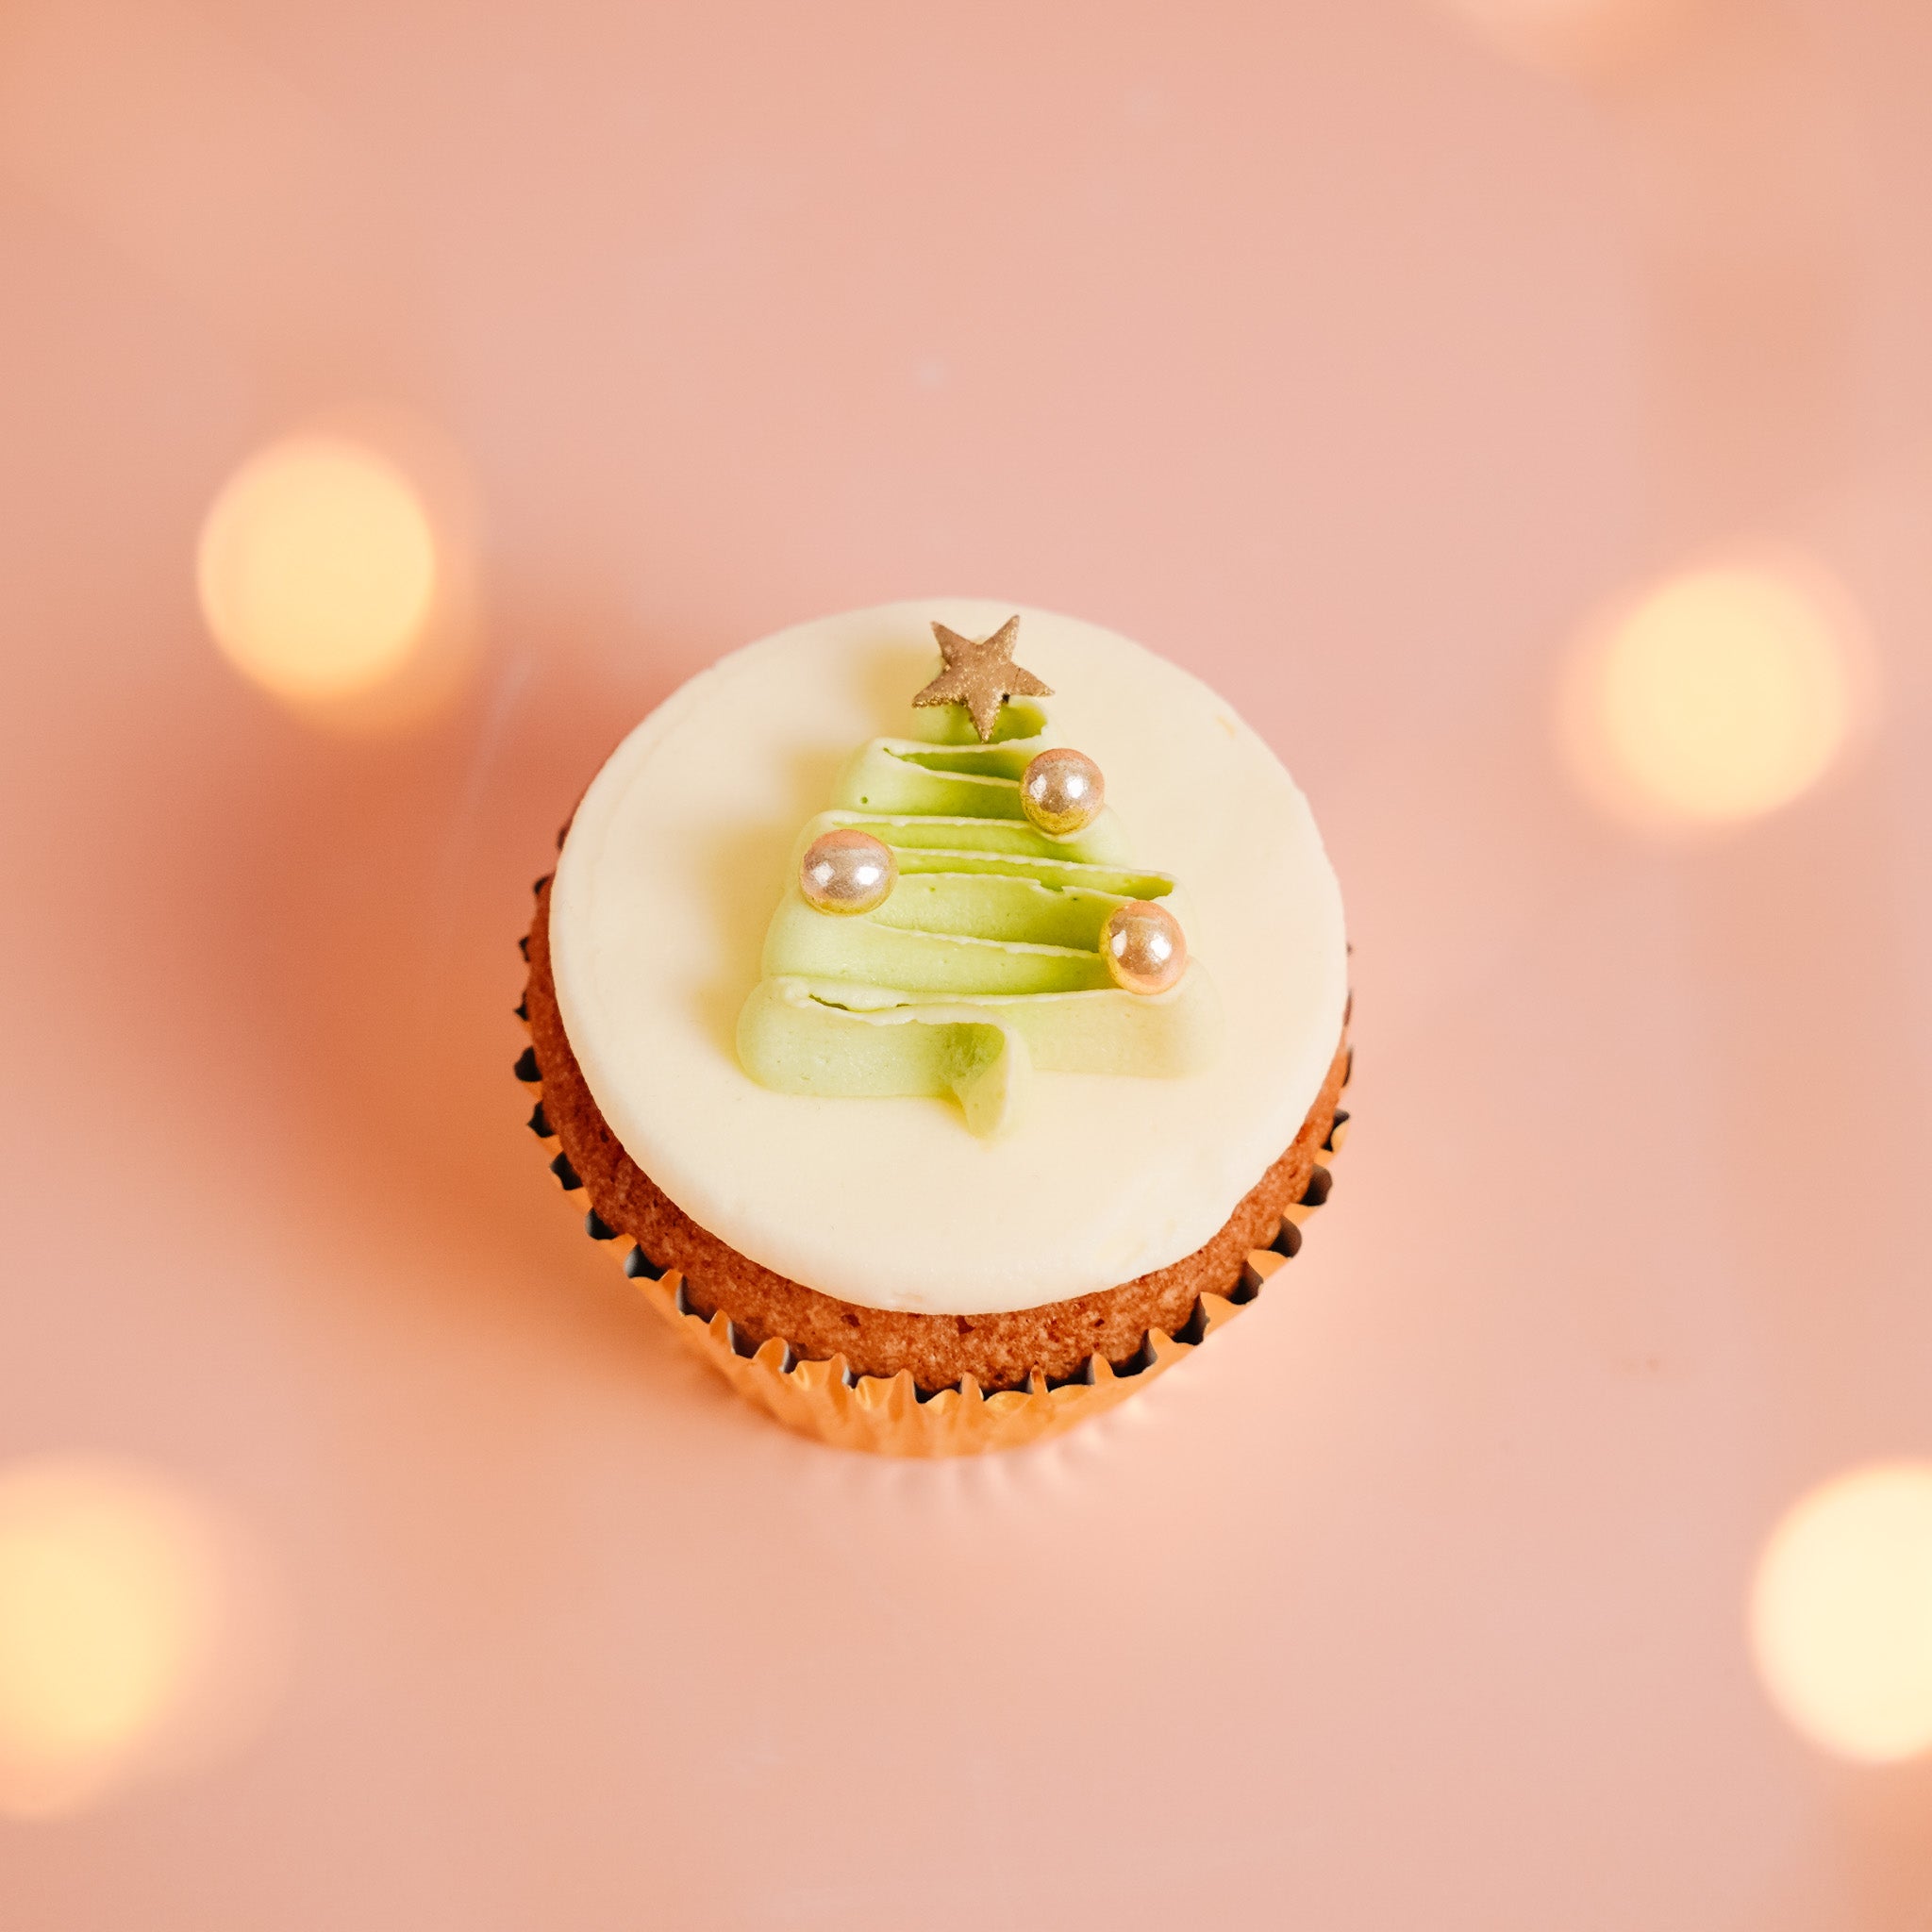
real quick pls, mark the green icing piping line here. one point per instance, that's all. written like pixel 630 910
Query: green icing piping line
pixel 984 963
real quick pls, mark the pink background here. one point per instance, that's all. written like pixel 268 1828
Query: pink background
pixel 1328 349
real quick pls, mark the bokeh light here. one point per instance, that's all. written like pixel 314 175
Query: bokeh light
pixel 1717 696
pixel 317 568
pixel 1841 1613
pixel 129 1634
pixel 1575 34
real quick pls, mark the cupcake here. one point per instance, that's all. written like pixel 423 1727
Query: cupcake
pixel 944 1009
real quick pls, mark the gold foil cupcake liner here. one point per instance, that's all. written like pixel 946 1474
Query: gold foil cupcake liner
pixel 889 1415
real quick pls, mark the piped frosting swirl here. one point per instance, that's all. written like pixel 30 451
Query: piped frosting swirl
pixel 984 961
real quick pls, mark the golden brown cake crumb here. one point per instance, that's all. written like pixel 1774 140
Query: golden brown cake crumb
pixel 1000 1350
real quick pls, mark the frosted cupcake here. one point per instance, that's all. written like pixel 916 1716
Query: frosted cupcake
pixel 947 1010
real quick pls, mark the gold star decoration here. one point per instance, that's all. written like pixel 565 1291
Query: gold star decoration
pixel 980 674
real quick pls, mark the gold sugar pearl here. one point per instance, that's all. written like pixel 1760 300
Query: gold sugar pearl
pixel 847 871
pixel 1144 947
pixel 1062 791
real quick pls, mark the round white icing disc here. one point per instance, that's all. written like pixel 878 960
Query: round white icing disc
pixel 678 857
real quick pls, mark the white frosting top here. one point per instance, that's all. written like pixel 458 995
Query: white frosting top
pixel 678 857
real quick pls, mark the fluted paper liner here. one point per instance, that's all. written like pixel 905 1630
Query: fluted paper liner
pixel 887 1415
